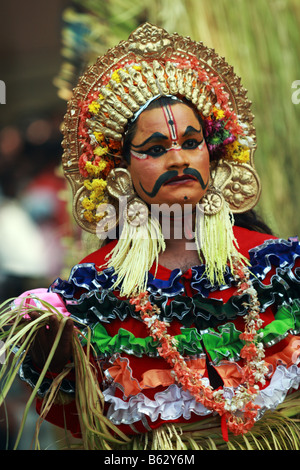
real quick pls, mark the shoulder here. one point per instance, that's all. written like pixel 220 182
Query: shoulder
pixel 99 257
pixel 249 239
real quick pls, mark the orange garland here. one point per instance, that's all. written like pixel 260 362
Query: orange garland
pixel 253 372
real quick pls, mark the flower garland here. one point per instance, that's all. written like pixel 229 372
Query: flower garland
pixel 237 413
pixel 99 155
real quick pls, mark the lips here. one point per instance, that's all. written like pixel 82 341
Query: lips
pixel 180 179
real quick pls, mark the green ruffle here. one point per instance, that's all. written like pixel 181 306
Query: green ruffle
pixel 287 319
pixel 125 341
pixel 222 343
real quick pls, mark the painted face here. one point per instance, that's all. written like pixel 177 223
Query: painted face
pixel 169 158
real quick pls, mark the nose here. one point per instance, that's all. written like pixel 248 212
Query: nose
pixel 177 158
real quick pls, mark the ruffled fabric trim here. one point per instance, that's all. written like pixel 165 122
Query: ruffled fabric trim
pixel 222 343
pixel 174 402
pixel 203 312
pixel 105 306
pixel 30 375
pixel 121 374
pixel 170 404
pixel 275 252
pixel 89 296
pixel 283 381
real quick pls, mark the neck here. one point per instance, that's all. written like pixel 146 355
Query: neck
pixel 177 227
pixel 180 249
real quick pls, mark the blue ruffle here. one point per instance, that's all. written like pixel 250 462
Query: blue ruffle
pixel 274 253
pixel 170 287
pixel 85 278
pixel 201 284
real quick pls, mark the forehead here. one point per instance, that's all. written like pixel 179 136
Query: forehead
pixel 154 120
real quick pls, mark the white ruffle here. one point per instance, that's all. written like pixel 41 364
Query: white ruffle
pixel 174 402
pixel 283 381
pixel 169 404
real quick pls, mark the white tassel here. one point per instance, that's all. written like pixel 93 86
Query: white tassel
pixel 133 256
pixel 216 243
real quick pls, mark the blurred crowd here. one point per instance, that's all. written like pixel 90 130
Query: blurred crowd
pixel 34 220
pixel 33 206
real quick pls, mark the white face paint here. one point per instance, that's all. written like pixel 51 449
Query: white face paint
pixel 175 146
pixel 171 125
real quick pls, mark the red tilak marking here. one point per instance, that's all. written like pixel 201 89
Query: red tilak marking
pixel 171 123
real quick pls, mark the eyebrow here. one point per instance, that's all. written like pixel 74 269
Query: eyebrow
pixel 191 130
pixel 155 136
pixel 158 136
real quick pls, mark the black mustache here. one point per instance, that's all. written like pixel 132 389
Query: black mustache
pixel 159 182
pixel 194 172
pixel 172 174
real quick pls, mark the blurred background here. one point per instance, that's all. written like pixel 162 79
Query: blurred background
pixel 45 46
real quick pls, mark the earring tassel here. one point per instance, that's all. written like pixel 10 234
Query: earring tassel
pixel 133 256
pixel 216 243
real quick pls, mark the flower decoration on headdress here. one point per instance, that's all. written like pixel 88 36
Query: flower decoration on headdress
pixel 134 74
pixel 103 152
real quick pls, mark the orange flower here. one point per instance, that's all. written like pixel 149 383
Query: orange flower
pixel 248 352
pixel 247 336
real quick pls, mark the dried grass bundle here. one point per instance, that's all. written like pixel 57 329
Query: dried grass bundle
pixel 17 335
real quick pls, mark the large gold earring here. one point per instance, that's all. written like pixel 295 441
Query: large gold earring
pixel 140 240
pixel 215 240
pixel 212 201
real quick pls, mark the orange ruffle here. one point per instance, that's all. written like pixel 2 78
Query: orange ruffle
pixel 288 354
pixel 121 373
pixel 230 372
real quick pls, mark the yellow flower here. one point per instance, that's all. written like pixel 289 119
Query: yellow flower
pixel 98 186
pixel 95 170
pixel 100 151
pixel 99 136
pixel 244 156
pixel 238 152
pixel 88 184
pixel 92 169
pixel 97 183
pixel 219 113
pixel 88 204
pixel 137 67
pixel 115 76
pixel 88 215
pixel 94 107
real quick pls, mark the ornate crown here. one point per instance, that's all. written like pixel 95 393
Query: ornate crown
pixel 154 63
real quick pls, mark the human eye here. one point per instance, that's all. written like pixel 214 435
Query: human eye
pixel 191 144
pixel 155 151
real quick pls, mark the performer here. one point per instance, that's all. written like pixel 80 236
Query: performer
pixel 193 325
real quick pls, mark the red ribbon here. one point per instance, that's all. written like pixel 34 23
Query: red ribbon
pixel 224 428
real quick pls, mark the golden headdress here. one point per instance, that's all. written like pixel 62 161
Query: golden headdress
pixel 153 63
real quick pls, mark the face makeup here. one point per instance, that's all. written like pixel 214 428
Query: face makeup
pixel 170 165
